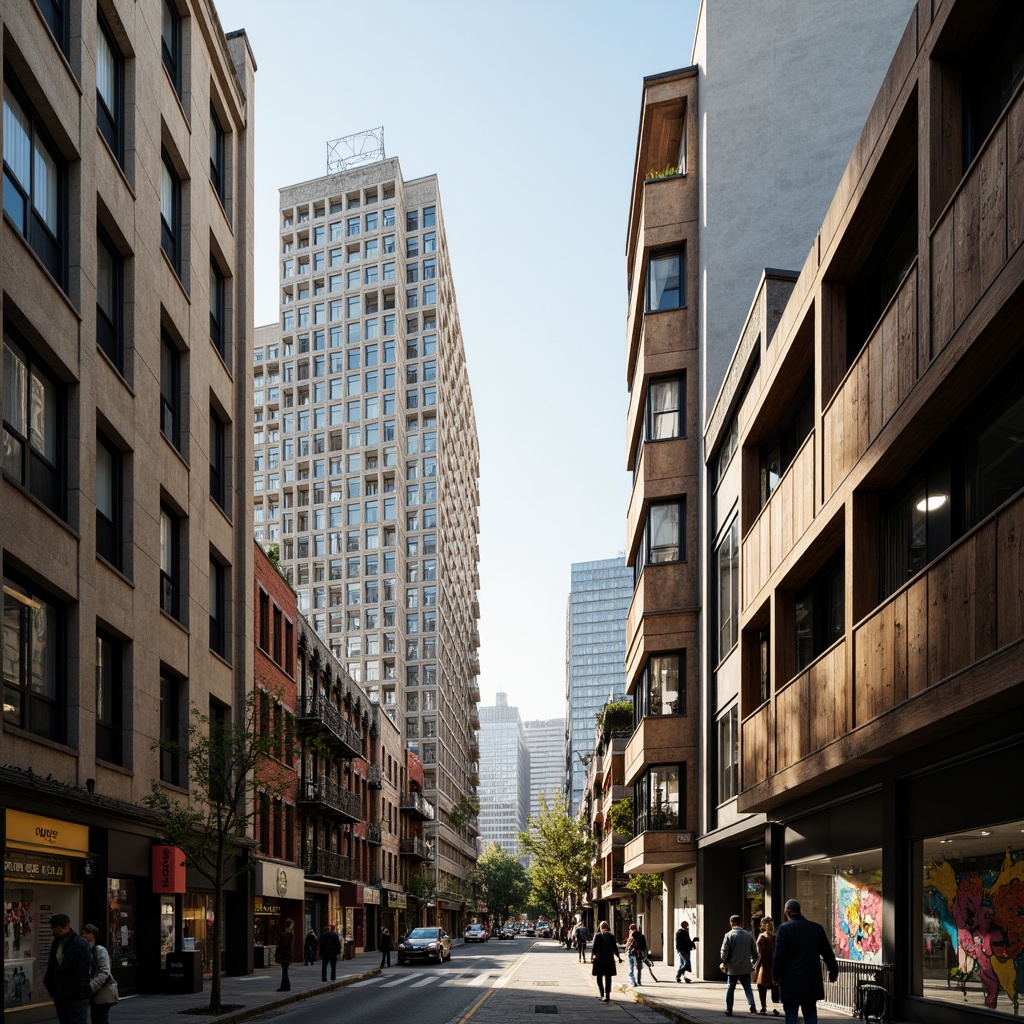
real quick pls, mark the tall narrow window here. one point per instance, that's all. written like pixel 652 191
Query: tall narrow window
pixel 109 702
pixel 217 149
pixel 170 43
pixel 34 183
pixel 170 391
pixel 170 213
pixel 218 459
pixel 665 532
pixel 662 690
pixel 109 89
pixel 728 559
pixel 218 609
pixel 34 658
pixel 666 280
pixel 217 334
pixel 170 569
pixel 728 754
pixel 32 450
pixel 665 409
pixel 55 14
pixel 170 730
pixel 109 300
pixel 108 502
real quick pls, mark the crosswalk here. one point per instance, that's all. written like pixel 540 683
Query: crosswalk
pixel 441 979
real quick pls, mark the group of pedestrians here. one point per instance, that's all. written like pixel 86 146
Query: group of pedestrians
pixel 78 975
pixel 785 964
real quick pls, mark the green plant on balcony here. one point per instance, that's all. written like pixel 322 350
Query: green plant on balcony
pixel 615 717
pixel 620 816
pixel 666 173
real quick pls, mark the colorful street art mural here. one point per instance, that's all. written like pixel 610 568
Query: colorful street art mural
pixel 981 908
pixel 857 921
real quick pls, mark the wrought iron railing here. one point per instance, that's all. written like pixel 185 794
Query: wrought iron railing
pixel 328 794
pixel 413 846
pixel 317 709
pixel 417 803
pixel 861 986
pixel 328 864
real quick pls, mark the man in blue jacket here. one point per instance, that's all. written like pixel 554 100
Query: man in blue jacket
pixel 67 973
pixel 800 946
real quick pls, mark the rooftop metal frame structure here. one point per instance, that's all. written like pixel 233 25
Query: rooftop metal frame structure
pixel 350 151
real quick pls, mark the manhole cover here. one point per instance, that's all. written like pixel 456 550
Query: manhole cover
pixel 550 983
pixel 545 1009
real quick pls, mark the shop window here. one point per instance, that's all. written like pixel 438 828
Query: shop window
pixel 122 923
pixel 972 905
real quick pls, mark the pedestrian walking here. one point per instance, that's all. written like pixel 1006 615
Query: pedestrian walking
pixel 385 949
pixel 800 945
pixel 636 952
pixel 763 968
pixel 603 955
pixel 737 957
pixel 685 945
pixel 286 953
pixel 579 938
pixel 309 947
pixel 67 972
pixel 102 986
pixel 330 950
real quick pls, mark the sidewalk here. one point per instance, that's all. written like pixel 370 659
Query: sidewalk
pixel 254 993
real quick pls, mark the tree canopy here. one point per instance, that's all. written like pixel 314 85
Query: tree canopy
pixel 560 851
pixel 502 882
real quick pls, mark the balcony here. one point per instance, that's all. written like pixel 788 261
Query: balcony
pixel 474 690
pixel 416 848
pixel 374 776
pixel 939 653
pixel 328 864
pixel 656 852
pixel 660 739
pixel 615 887
pixel 327 796
pixel 316 714
pixel 416 805
pixel 474 774
pixel 373 833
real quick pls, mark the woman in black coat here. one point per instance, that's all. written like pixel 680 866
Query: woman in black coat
pixel 603 955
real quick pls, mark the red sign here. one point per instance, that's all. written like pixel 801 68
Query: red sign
pixel 168 869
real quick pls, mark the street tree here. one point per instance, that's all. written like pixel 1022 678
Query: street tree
pixel 226 762
pixel 502 882
pixel 560 851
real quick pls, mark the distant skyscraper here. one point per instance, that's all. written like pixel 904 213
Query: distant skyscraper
pixel 546 740
pixel 504 790
pixel 599 597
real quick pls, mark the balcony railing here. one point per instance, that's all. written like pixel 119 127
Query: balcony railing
pixel 326 794
pixel 417 805
pixel 413 846
pixel 373 833
pixel 328 864
pixel 318 713
pixel 374 776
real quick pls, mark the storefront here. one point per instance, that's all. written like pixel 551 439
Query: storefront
pixel 45 863
pixel 352 918
pixel 279 892
pixel 391 918
pixel 372 914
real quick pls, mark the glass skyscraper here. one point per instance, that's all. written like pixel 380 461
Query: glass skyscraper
pixel 504 790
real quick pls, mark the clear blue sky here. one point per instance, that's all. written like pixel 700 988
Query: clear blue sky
pixel 527 112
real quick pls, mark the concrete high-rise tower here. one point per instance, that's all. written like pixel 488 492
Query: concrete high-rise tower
pixel 595 652
pixel 504 775
pixel 366 464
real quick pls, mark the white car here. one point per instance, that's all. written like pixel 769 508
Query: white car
pixel 475 933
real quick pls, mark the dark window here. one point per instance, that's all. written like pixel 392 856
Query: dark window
pixel 170 731
pixel 218 459
pixel 662 688
pixel 109 700
pixel 218 609
pixel 109 495
pixel 780 451
pixel 992 77
pixel 109 300
pixel 666 409
pixel 34 660
pixel 764 656
pixel 666 280
pixel 728 558
pixel 33 448
pixel 820 614
pixel 109 89
pixel 55 14
pixel 170 43
pixel 217 334
pixel 34 182
pixel 659 798
pixel 264 637
pixel 883 272
pixel 170 391
pixel 217 175
pixel 220 752
pixel 170 213
pixel 170 562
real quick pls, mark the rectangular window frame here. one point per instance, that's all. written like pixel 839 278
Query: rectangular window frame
pixel 109 506
pixel 109 698
pixel 661 295
pixel 170 206
pixel 170 44
pixel 110 92
pixel 110 322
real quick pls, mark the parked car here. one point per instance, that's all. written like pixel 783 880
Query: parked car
pixel 475 933
pixel 506 933
pixel 531 931
pixel 545 931
pixel 425 944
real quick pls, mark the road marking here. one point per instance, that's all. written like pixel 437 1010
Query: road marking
pixel 503 981
pixel 369 981
pixel 454 981
pixel 490 992
pixel 402 981
pixel 425 981
pixel 480 981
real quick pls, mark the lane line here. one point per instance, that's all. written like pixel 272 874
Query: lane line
pixel 402 981
pixel 426 981
pixel 490 992
pixel 369 981
pixel 480 980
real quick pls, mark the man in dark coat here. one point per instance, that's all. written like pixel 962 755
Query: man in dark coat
pixel 330 950
pixel 67 973
pixel 800 945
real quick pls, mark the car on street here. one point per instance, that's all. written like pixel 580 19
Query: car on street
pixel 530 931
pixel 544 931
pixel 475 933
pixel 425 944
pixel 506 933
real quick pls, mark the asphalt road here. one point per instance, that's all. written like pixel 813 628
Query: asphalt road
pixel 416 993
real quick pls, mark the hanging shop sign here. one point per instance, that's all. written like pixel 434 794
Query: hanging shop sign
pixel 371 895
pixel 265 907
pixel 279 881
pixel 46 835
pixel 397 900
pixel 168 869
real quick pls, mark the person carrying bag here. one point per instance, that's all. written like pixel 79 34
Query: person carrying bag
pixel 102 984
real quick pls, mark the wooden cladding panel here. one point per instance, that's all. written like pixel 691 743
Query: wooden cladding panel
pixel 756 747
pixel 1009 615
pixel 1015 177
pixel 792 729
pixel 879 380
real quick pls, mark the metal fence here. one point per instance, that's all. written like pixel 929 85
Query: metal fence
pixel 861 989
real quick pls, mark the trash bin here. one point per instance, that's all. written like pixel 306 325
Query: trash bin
pixel 185 971
pixel 350 949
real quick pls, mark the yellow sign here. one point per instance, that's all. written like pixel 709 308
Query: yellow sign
pixel 35 833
